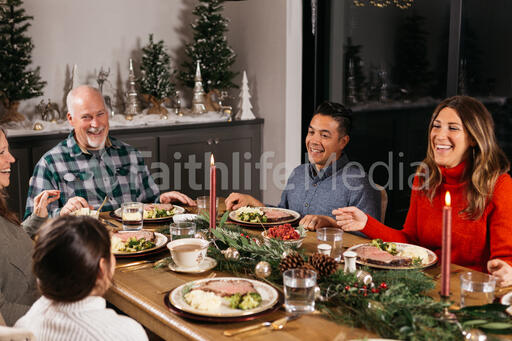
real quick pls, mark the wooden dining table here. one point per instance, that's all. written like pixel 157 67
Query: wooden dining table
pixel 140 292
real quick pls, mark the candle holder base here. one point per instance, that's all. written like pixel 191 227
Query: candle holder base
pixel 446 314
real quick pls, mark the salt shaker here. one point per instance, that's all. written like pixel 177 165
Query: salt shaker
pixel 350 261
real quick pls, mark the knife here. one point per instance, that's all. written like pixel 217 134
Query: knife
pixel 133 264
pixel 276 325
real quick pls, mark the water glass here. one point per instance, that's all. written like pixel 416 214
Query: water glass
pixel 183 229
pixel 333 237
pixel 132 214
pixel 299 290
pixel 476 288
pixel 203 204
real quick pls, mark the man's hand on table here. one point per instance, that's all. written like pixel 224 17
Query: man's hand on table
pixel 42 200
pixel 350 218
pixel 73 204
pixel 312 222
pixel 236 200
pixel 501 270
pixel 173 196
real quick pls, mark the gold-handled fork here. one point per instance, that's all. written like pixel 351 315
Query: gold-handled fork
pixel 276 325
pixel 102 204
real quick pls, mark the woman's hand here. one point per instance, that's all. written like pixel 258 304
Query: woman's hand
pixel 43 199
pixel 350 218
pixel 501 270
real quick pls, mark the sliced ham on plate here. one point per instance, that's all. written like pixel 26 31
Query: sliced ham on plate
pixel 125 236
pixel 274 215
pixel 227 288
pixel 167 207
pixel 374 255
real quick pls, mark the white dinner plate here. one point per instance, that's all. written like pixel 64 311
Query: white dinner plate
pixel 269 297
pixel 295 216
pixel 177 210
pixel 160 241
pixel 432 257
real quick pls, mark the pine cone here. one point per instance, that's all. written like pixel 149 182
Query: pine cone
pixel 308 266
pixel 324 265
pixel 292 261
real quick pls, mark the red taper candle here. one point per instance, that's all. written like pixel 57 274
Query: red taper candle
pixel 213 194
pixel 447 246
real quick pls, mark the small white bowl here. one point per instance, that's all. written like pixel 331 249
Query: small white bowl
pixel 290 242
pixel 179 218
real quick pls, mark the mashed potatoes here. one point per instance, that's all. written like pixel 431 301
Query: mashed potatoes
pixel 414 252
pixel 202 300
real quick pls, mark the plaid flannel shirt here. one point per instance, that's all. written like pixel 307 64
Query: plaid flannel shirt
pixel 118 171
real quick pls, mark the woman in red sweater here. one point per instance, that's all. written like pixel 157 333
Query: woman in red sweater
pixel 463 158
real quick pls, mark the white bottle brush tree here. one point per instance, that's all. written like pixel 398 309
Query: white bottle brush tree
pixel 245 106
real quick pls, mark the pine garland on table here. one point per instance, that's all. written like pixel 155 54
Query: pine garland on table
pixel 395 306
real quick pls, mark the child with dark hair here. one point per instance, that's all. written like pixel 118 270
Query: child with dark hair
pixel 74 268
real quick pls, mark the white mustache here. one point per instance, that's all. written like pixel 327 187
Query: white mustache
pixel 95 130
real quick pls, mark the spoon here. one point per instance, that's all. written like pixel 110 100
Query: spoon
pixel 103 203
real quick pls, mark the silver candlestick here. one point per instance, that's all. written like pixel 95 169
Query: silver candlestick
pixel 132 97
pixel 198 100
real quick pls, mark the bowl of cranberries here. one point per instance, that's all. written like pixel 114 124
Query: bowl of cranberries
pixel 285 233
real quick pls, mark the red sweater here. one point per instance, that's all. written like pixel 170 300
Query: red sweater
pixel 474 242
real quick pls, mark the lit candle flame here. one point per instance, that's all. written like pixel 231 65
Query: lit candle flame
pixel 212 161
pixel 448 199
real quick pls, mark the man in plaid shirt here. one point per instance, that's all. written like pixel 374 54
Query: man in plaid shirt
pixel 90 165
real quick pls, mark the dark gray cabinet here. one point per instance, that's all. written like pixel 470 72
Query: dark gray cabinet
pixel 177 156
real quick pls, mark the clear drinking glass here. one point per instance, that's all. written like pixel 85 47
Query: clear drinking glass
pixel 184 229
pixel 476 288
pixel 334 237
pixel 299 290
pixel 203 204
pixel 132 215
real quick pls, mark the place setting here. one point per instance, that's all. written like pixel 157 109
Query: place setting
pixel 136 213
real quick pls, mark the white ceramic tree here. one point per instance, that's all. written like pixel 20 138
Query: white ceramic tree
pixel 245 106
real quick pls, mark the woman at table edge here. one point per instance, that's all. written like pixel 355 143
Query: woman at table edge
pixel 17 283
pixel 463 158
pixel 72 306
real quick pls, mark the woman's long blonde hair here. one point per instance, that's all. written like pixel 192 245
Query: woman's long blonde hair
pixel 485 160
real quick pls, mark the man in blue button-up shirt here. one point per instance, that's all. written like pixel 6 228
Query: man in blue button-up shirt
pixel 329 180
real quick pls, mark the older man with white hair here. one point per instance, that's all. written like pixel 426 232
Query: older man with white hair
pixel 90 164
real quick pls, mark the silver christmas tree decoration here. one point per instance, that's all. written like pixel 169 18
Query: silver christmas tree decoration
pixel 199 99
pixel 75 80
pixel 132 97
pixel 351 84
pixel 101 79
